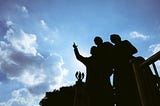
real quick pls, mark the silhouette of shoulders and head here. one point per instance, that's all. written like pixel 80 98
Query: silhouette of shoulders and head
pixel 125 47
pixel 93 50
pixel 98 40
pixel 115 38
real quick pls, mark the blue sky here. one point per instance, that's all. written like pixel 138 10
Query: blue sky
pixel 36 38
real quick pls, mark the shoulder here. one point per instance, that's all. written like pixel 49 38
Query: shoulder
pixel 125 41
pixel 107 43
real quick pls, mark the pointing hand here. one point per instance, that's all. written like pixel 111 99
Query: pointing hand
pixel 74 45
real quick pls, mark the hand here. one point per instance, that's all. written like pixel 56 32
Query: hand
pixel 74 45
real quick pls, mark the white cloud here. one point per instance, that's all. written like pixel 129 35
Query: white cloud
pixel 59 79
pixel 54 68
pixel 135 34
pixel 22 41
pixel 154 48
pixel 24 9
pixel 9 23
pixel 20 60
pixel 32 79
pixel 32 70
pixel 43 24
pixel 22 97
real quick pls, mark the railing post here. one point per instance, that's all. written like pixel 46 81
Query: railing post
pixel 155 69
pixel 137 71
pixel 146 81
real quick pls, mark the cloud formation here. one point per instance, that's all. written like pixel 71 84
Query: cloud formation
pixel 21 97
pixel 20 61
pixel 24 9
pixel 136 34
pixel 43 24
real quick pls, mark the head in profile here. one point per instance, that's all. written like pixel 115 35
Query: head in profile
pixel 93 50
pixel 98 40
pixel 115 38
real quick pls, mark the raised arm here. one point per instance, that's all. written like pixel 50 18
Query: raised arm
pixel 77 54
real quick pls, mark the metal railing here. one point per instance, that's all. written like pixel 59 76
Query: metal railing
pixel 146 82
pixel 151 61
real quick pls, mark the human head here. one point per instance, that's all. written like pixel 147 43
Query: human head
pixel 93 50
pixel 115 38
pixel 98 40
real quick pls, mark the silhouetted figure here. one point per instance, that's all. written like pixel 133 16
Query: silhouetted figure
pixel 90 63
pixel 124 78
pixel 104 55
pixel 104 60
pixel 97 86
pixel 91 76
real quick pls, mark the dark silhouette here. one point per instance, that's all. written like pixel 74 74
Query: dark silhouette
pixel 79 76
pixel 105 62
pixel 66 96
pixel 80 97
pixel 98 85
pixel 62 97
pixel 89 62
pixel 124 79
pixel 147 83
pixel 104 55
pixel 133 81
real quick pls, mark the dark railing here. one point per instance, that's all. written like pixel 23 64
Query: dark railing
pixel 148 84
pixel 151 61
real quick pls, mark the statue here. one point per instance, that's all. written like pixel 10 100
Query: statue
pixel 79 76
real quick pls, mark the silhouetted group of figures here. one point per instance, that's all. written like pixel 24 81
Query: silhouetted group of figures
pixel 107 58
